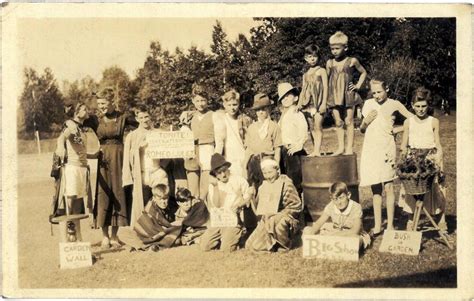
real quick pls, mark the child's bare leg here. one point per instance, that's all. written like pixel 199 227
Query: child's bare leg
pixel 339 132
pixel 377 204
pixel 389 193
pixel 193 182
pixel 318 134
pixel 204 184
pixel 105 238
pixel 349 122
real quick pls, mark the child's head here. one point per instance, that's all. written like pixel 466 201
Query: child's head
pixel 184 199
pixel 231 102
pixel 270 169
pixel 220 168
pixel 287 94
pixel 143 117
pixel 379 89
pixel 338 43
pixel 199 97
pixel 421 101
pixel 261 106
pixel 82 111
pixel 312 54
pixel 160 195
pixel 340 195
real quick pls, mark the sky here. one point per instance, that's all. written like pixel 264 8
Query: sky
pixel 74 48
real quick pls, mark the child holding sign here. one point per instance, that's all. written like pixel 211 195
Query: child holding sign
pixel 138 169
pixel 278 206
pixel 225 200
pixel 345 215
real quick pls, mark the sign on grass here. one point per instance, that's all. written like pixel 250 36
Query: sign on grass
pixel 75 255
pixel 401 242
pixel 223 217
pixel 331 247
pixel 169 145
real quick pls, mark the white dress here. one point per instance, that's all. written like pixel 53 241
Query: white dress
pixel 378 158
pixel 234 150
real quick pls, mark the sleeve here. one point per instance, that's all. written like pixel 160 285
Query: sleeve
pixel 291 201
pixel 357 210
pixel 219 131
pixel 327 210
pixel 366 108
pixel 127 178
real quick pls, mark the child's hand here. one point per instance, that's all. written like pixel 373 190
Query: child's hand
pixel 353 88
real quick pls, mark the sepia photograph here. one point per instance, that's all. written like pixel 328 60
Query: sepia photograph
pixel 243 146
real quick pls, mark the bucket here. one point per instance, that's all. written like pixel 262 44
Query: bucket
pixel 319 173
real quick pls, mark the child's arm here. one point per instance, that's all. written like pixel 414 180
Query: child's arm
pixel 404 144
pixel 368 120
pixel 324 80
pixel 317 225
pixel 362 77
pixel 439 149
pixel 355 230
pixel 328 66
pixel 404 111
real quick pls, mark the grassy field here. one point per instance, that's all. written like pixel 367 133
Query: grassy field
pixel 188 267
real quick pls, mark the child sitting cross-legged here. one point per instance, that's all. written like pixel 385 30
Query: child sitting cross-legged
pixel 345 215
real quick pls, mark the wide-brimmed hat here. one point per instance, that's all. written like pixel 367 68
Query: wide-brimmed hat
pixel 217 161
pixel 261 100
pixel 285 88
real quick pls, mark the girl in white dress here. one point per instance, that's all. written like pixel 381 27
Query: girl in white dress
pixel 378 159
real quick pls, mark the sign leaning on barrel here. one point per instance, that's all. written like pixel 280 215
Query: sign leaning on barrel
pixel 170 145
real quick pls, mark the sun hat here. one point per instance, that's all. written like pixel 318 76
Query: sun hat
pixel 217 161
pixel 261 100
pixel 285 88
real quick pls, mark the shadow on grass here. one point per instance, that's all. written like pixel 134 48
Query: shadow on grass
pixel 442 278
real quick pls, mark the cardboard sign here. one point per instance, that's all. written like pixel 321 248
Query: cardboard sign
pixel 170 145
pixel 401 242
pixel 331 247
pixel 74 255
pixel 223 217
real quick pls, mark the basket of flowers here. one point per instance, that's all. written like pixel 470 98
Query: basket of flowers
pixel 416 170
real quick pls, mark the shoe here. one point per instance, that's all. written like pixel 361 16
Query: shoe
pixel 105 244
pixel 154 248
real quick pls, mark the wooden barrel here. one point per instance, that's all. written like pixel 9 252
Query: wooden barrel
pixel 318 175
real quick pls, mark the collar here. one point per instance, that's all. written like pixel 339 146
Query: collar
pixel 346 211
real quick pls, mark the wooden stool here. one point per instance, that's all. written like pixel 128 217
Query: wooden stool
pixel 416 219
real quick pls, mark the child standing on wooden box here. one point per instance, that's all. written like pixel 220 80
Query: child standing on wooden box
pixel 314 94
pixel 342 97
pixel 345 215
pixel 421 139
pixel 294 133
pixel 378 158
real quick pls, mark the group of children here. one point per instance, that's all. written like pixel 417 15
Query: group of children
pixel 246 165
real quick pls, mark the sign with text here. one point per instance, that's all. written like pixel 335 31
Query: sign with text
pixel 223 217
pixel 401 242
pixel 170 145
pixel 331 247
pixel 74 255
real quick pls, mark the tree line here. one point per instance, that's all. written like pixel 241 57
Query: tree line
pixel 406 52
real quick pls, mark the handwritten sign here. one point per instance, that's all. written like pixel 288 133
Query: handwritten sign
pixel 169 145
pixel 331 247
pixel 401 242
pixel 74 255
pixel 223 217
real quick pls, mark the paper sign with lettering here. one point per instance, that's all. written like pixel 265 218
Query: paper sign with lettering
pixel 223 217
pixel 331 247
pixel 74 255
pixel 401 242
pixel 169 145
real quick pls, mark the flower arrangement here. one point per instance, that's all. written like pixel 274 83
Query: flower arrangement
pixel 417 169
